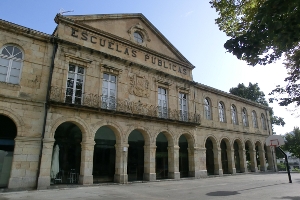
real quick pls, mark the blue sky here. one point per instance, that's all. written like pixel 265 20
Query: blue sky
pixel 188 25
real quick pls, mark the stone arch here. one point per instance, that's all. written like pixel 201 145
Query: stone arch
pixel 250 155
pixel 239 156
pixel 260 145
pixel 190 138
pixel 214 141
pixel 115 127
pixel 227 141
pixel 169 135
pixel 260 155
pixel 144 132
pixel 250 143
pixel 15 118
pixel 240 143
pixel 17 44
pixel 84 128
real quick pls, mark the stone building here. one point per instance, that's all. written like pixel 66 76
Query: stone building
pixel 107 98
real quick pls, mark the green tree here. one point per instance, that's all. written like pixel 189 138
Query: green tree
pixel 261 32
pixel 253 93
pixel 292 142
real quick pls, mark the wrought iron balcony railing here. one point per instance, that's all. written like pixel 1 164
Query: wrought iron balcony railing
pixel 111 103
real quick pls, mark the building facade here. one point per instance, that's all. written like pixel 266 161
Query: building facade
pixel 107 98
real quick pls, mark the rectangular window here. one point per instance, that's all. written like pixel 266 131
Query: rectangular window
pixel 162 103
pixel 109 89
pixel 183 107
pixel 75 83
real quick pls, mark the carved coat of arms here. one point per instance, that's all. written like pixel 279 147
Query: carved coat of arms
pixel 139 86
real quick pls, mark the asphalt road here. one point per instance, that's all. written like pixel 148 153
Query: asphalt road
pixel 248 186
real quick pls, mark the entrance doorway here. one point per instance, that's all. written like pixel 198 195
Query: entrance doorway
pixel 183 157
pixel 161 157
pixel 66 157
pixel 210 165
pixel 224 157
pixel 8 133
pixel 237 159
pixel 135 168
pixel 104 155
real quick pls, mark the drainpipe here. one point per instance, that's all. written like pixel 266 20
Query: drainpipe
pixel 47 105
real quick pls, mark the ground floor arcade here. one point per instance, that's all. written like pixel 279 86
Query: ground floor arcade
pixel 77 152
pixel 108 151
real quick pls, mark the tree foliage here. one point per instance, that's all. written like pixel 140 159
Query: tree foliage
pixel 261 32
pixel 253 93
pixel 292 142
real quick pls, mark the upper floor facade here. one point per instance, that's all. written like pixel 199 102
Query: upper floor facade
pixel 119 64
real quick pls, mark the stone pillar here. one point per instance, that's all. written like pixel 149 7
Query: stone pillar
pixel 86 163
pixel 253 160
pixel 271 159
pixel 121 163
pixel 173 162
pixel 149 162
pixel 231 163
pixel 218 161
pixel 243 161
pixel 262 160
pixel 45 168
pixel 199 163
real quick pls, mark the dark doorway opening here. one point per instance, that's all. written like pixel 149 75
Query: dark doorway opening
pixel 224 157
pixel 183 157
pixel 67 148
pixel 135 168
pixel 161 157
pixel 210 165
pixel 237 159
pixel 104 155
pixel 8 133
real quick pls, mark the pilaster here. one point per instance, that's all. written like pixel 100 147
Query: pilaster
pixel 149 163
pixel 121 163
pixel 86 163
pixel 173 162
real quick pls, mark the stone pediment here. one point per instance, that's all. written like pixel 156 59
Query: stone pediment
pixel 125 26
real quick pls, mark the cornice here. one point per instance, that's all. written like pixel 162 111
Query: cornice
pixel 231 96
pixel 15 28
pixel 230 130
pixel 60 18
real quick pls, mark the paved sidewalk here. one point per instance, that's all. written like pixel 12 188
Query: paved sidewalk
pixel 248 186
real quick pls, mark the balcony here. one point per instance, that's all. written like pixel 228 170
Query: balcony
pixel 122 107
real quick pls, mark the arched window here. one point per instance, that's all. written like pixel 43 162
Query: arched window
pixel 233 114
pixel 244 117
pixel 221 112
pixel 254 119
pixel 263 122
pixel 11 60
pixel 207 108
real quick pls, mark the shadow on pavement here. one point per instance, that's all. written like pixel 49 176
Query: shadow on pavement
pixel 291 198
pixel 222 193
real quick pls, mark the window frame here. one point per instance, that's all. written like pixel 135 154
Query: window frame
pixel 263 121
pixel 74 85
pixel 12 58
pixel 234 114
pixel 109 102
pixel 161 112
pixel 221 109
pixel 245 117
pixel 183 113
pixel 140 39
pixel 254 119
pixel 207 109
